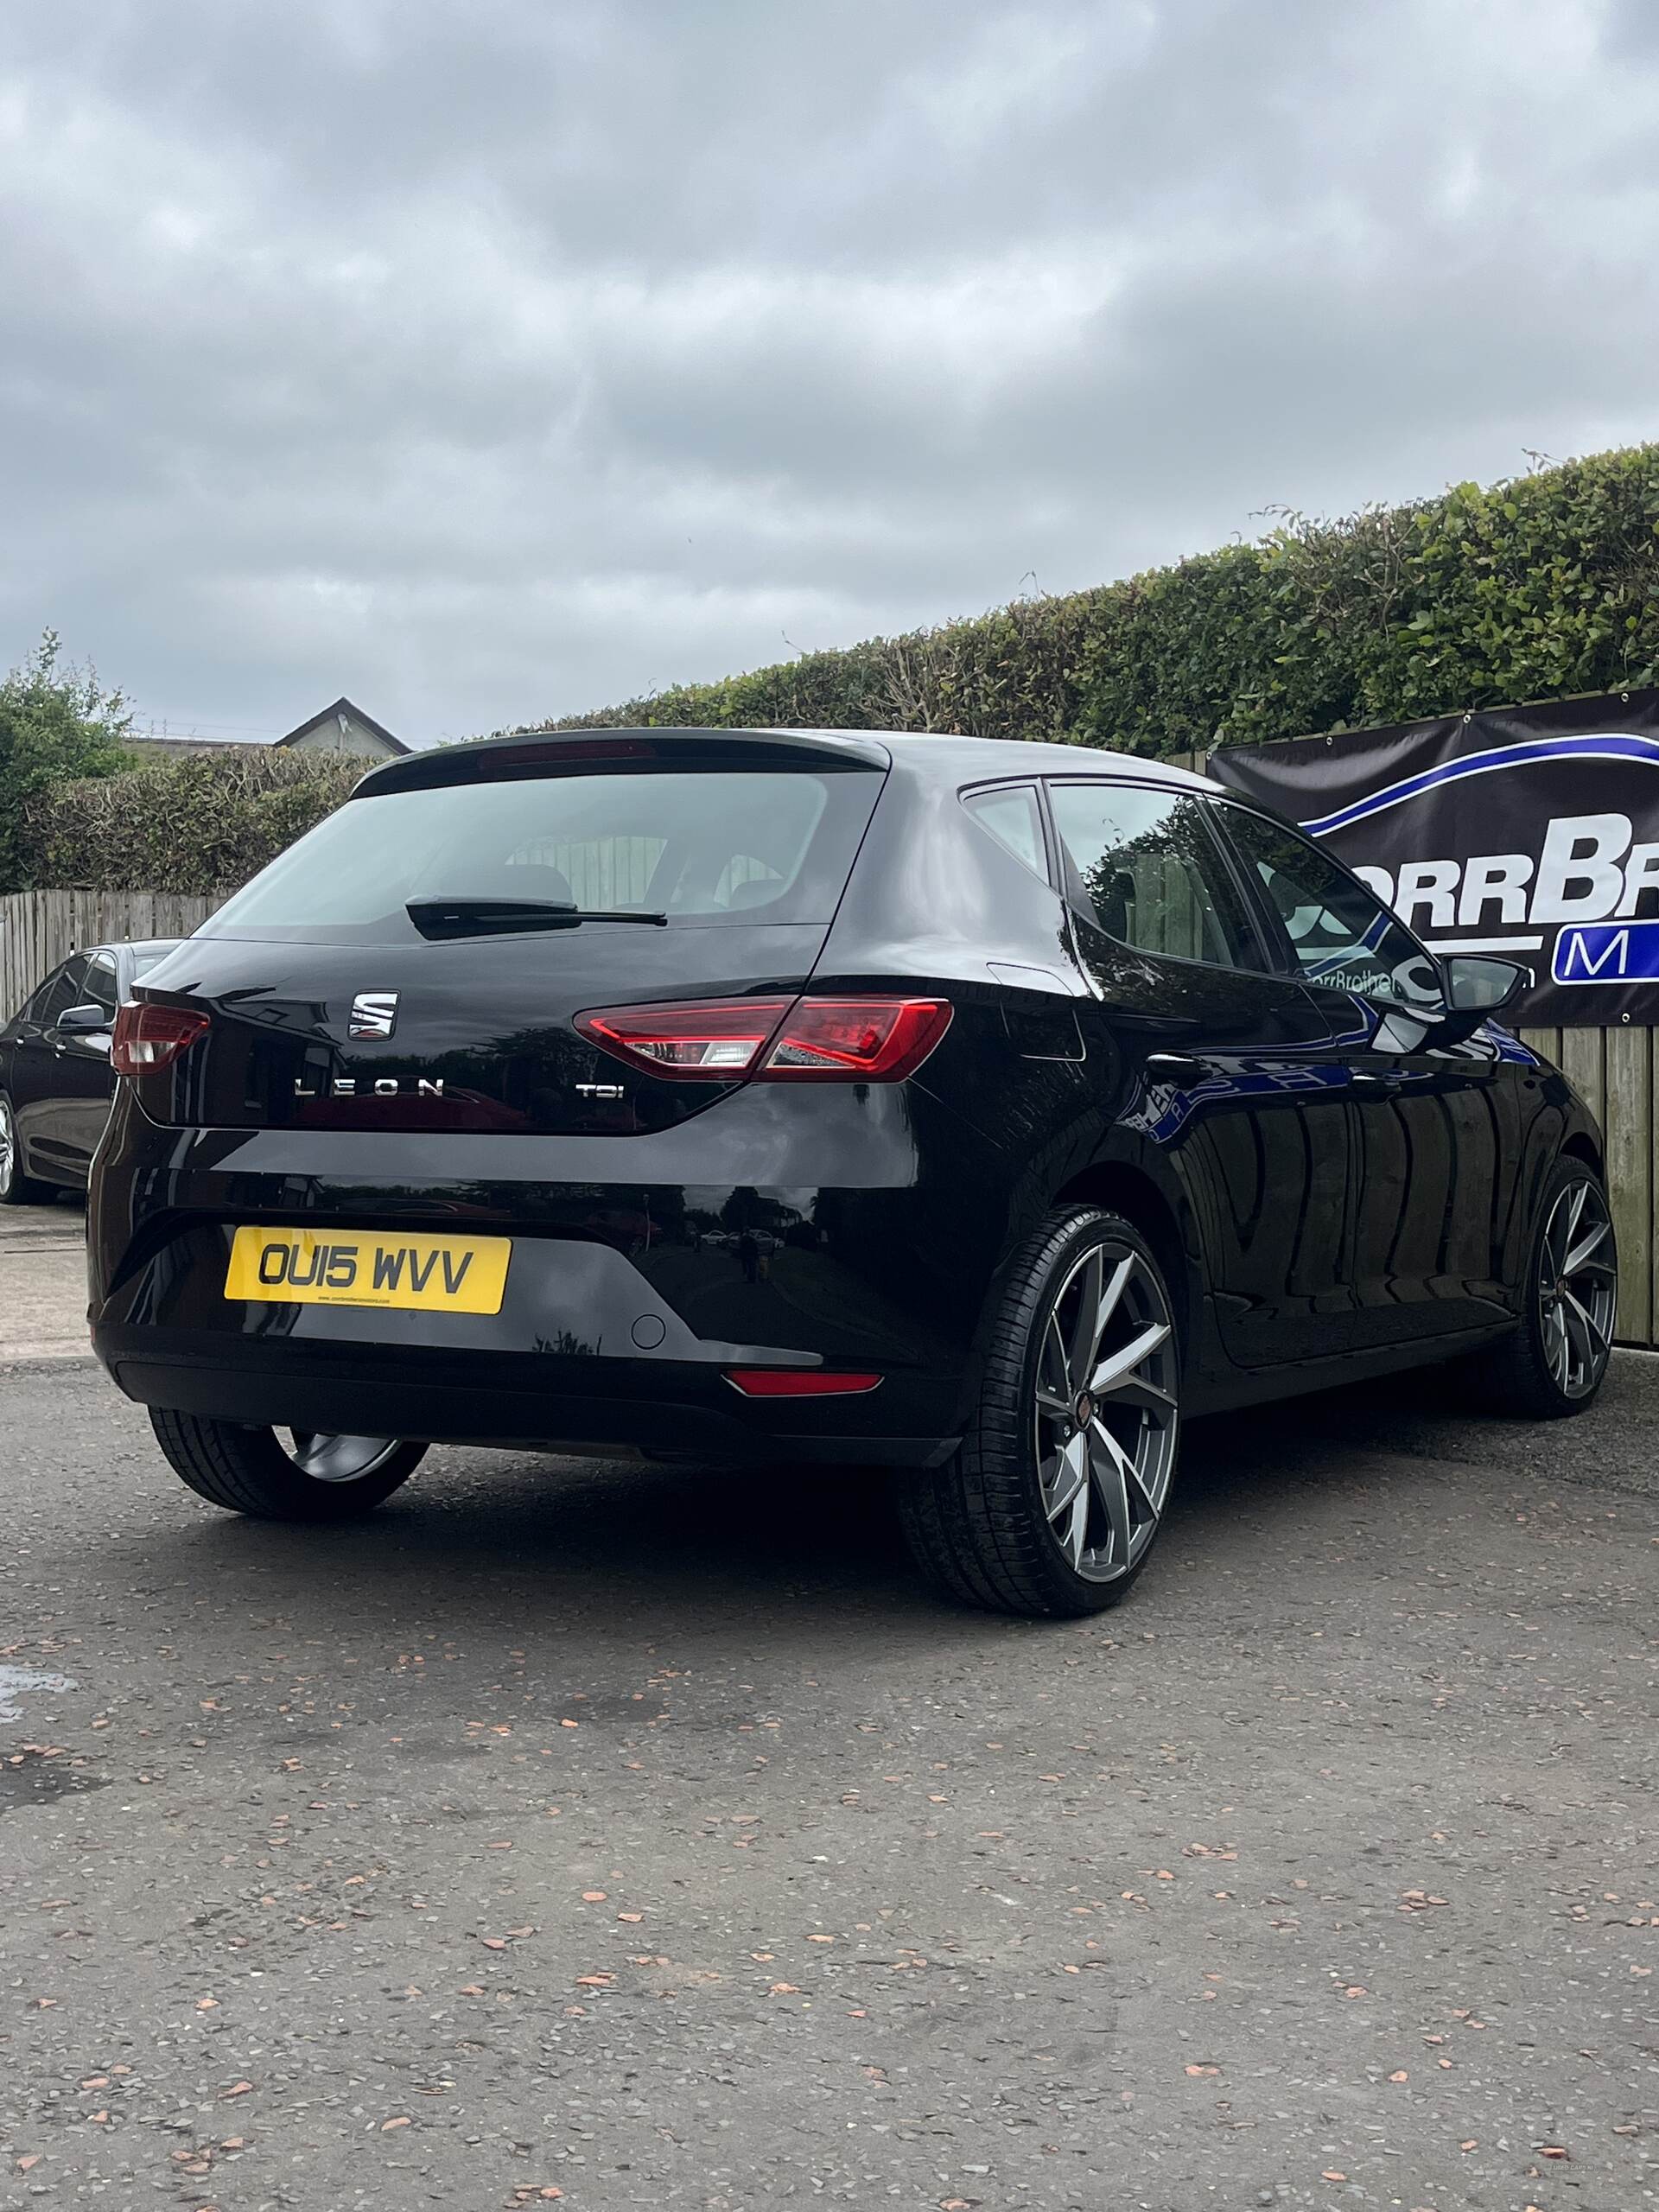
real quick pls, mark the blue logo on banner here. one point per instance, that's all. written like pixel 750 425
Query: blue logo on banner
pixel 1607 952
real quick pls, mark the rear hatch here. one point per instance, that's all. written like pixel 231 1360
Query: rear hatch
pixel 417 960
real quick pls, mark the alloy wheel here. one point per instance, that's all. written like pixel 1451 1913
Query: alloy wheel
pixel 8 1148
pixel 339 1459
pixel 1106 1414
pixel 1578 1288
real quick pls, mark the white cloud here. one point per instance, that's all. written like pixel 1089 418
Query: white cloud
pixel 492 362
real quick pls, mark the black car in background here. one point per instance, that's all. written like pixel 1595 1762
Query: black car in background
pixel 55 1078
pixel 980 1109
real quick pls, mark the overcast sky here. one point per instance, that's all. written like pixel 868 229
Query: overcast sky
pixel 488 359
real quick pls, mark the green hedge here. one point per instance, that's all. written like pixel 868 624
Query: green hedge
pixel 191 825
pixel 1535 588
pixel 56 721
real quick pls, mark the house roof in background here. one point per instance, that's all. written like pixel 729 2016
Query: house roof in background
pixel 344 706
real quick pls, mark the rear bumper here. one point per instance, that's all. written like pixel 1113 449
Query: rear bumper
pixel 663 1408
pixel 624 1306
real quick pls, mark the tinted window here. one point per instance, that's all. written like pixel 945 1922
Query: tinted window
pixel 1148 864
pixel 61 991
pixel 100 987
pixel 144 961
pixel 1013 819
pixel 34 1007
pixel 704 847
pixel 1341 935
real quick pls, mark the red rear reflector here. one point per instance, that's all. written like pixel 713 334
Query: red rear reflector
pixel 798 1382
pixel 719 1042
pixel 151 1037
pixel 814 1040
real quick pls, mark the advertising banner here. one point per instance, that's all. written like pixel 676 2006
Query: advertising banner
pixel 1531 832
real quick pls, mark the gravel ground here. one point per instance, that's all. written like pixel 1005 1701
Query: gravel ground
pixel 43 1281
pixel 650 1837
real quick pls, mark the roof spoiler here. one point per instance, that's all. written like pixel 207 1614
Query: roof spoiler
pixel 552 752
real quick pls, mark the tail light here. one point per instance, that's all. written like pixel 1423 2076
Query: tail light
pixel 715 1043
pixel 151 1037
pixel 848 1040
pixel 773 1040
pixel 799 1381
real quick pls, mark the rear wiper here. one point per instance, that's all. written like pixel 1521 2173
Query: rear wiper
pixel 440 917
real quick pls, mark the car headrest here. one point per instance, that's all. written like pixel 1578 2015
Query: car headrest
pixel 529 880
pixel 758 891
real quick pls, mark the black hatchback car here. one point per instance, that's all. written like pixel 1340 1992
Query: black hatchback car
pixel 979 1109
pixel 55 1078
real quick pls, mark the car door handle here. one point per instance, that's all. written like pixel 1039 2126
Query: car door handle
pixel 1175 1067
pixel 1376 1079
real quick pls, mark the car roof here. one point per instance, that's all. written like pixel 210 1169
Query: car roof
pixel 157 946
pixel 925 755
pixel 950 755
pixel 958 759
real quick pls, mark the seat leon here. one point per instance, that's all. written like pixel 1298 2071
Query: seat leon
pixel 983 1109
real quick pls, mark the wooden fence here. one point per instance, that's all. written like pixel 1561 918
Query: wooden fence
pixel 39 928
pixel 1614 1072
pixel 1617 1070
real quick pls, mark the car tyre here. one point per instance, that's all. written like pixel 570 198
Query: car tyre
pixel 1553 1365
pixel 307 1477
pixel 17 1189
pixel 1052 1503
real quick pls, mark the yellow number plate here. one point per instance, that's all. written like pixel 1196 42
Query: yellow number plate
pixel 430 1274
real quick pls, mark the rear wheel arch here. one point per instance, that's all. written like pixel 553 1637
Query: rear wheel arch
pixel 1119 1187
pixel 1582 1146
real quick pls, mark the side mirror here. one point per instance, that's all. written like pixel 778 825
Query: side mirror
pixel 83 1021
pixel 1478 983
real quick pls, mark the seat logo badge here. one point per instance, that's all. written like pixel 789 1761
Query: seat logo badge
pixel 374 1013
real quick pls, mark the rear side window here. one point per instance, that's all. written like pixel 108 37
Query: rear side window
pixel 101 984
pixel 706 847
pixel 34 1007
pixel 60 992
pixel 1012 817
pixel 1145 861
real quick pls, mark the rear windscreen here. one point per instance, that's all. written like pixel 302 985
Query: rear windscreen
pixel 704 847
